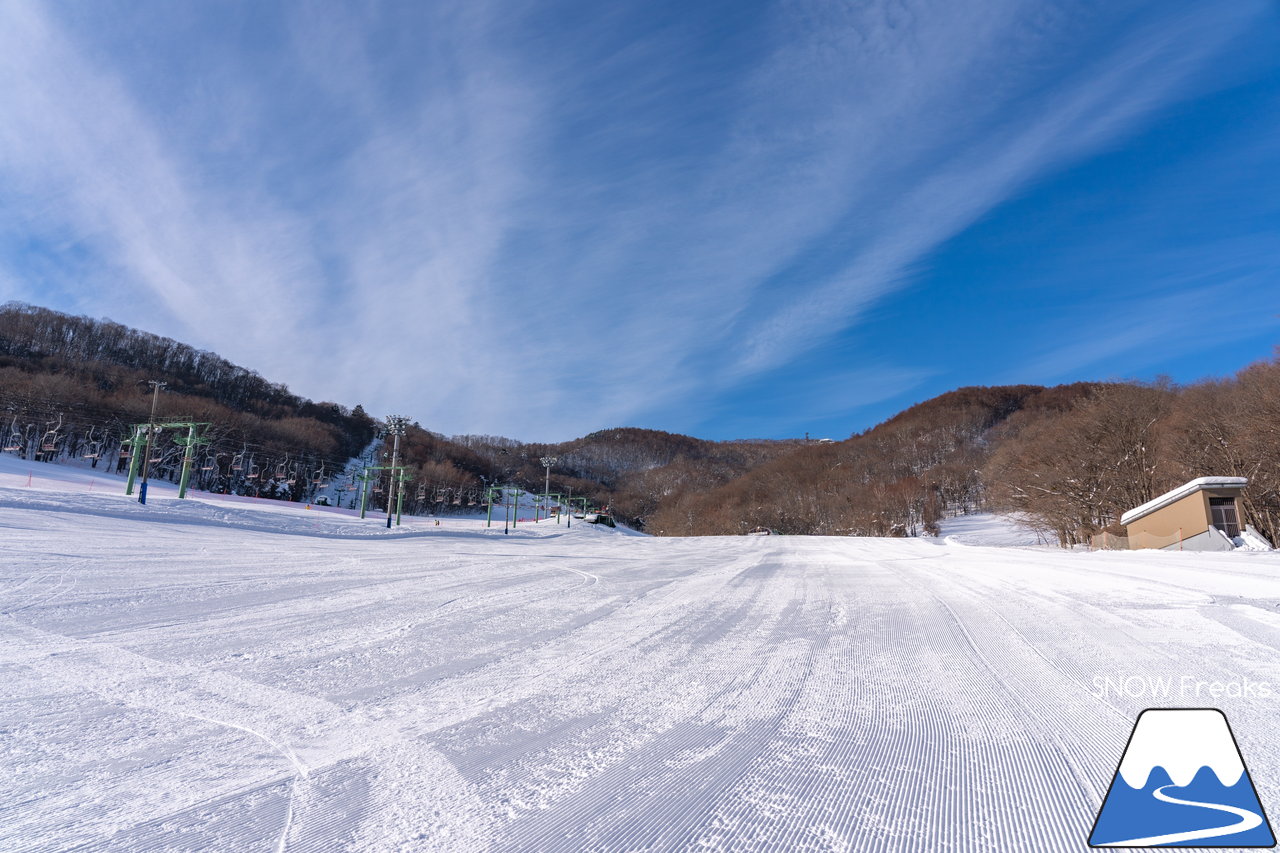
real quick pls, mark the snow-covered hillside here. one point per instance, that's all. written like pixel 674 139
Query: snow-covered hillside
pixel 248 675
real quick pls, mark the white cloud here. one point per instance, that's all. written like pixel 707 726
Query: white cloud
pixel 424 215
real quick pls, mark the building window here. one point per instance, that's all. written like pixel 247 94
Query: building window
pixel 1223 512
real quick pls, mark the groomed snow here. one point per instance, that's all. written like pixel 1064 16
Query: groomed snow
pixel 245 676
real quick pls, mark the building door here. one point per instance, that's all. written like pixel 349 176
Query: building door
pixel 1223 513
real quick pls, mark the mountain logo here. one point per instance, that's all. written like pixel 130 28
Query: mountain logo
pixel 1181 783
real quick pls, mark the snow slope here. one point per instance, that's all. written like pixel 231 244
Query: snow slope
pixel 985 528
pixel 213 675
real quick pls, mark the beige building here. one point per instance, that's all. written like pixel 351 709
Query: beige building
pixel 1202 515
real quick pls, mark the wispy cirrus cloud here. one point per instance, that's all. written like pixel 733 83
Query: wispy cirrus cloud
pixel 433 208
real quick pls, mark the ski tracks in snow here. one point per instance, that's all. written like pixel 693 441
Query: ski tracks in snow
pixel 769 694
pixel 415 797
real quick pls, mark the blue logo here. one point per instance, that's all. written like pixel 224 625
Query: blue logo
pixel 1181 783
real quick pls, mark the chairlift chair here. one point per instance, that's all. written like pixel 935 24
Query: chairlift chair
pixel 95 447
pixel 50 439
pixel 210 463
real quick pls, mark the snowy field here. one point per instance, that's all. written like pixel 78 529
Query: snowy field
pixel 245 676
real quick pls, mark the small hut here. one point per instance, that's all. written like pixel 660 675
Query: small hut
pixel 1202 515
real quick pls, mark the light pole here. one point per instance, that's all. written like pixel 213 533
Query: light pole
pixel 547 462
pixel 395 425
pixel 156 385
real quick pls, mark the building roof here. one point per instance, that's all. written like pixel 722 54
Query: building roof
pixel 1196 485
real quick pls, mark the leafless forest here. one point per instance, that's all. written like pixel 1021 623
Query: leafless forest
pixel 1071 459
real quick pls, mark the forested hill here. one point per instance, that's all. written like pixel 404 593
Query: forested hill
pixel 1071 459
pixel 897 479
pixel 70 387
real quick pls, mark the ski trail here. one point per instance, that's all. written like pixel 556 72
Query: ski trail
pixel 284 750
pixel 40 597
pixel 588 578
pixel 1248 820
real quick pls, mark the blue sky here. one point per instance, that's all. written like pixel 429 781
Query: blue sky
pixel 728 219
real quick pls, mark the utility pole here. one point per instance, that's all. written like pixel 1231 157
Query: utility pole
pixel 156 385
pixel 547 488
pixel 395 425
pixel 568 518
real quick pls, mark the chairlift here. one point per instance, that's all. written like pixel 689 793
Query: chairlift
pixel 237 462
pixel 293 474
pixel 95 447
pixel 50 439
pixel 280 471
pixel 253 470
pixel 15 436
pixel 210 463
